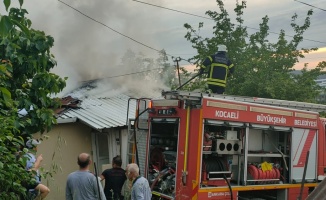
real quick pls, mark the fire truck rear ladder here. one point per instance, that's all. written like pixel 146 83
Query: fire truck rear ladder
pixel 196 97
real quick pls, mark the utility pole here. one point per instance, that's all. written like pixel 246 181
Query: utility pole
pixel 177 59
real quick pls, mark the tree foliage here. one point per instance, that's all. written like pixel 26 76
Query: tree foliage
pixel 151 69
pixel 26 83
pixel 263 67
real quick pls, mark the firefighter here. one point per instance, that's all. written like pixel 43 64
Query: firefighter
pixel 218 67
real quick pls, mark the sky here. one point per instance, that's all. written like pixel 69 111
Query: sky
pixel 87 49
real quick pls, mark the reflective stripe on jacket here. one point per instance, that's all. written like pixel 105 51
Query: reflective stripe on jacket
pixel 218 67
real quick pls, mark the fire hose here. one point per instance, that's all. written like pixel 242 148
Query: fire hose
pixel 230 188
pixel 187 81
pixel 259 174
pixel 161 175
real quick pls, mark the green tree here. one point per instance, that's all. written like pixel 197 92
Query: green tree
pixel 167 72
pixel 263 68
pixel 26 83
pixel 151 69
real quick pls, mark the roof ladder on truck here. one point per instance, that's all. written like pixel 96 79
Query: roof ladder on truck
pixel 138 131
pixel 130 147
pixel 195 98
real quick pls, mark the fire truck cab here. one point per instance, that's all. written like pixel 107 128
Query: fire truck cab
pixel 201 146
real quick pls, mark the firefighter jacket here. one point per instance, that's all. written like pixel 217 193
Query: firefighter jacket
pixel 218 67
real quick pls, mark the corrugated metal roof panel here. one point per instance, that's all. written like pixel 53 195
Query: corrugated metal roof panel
pixel 101 113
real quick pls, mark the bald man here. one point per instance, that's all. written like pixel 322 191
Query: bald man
pixel 82 184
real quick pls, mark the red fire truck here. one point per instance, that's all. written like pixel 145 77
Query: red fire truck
pixel 206 146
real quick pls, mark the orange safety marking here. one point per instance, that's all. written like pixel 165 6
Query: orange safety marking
pixel 199 149
pixel 195 197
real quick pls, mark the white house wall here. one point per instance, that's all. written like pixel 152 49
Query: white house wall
pixel 114 147
pixel 123 144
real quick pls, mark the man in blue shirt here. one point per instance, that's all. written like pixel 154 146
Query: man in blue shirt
pixel 140 186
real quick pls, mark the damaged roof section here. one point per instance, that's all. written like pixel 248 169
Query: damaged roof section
pixel 98 113
pixel 66 103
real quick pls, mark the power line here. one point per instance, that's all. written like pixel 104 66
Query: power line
pixel 126 36
pixel 122 75
pixel 134 40
pixel 172 9
pixel 116 76
pixel 213 20
pixel 140 72
pixel 310 5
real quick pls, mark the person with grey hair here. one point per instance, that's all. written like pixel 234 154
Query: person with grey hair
pixel 127 187
pixel 140 185
pixel 218 67
pixel 82 184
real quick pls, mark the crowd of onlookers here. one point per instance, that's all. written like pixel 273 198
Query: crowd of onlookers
pixel 119 184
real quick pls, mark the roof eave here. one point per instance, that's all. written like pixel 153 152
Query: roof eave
pixel 67 120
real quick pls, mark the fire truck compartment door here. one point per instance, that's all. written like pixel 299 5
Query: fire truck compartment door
pixel 303 140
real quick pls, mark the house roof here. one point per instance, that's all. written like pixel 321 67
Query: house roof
pixel 100 113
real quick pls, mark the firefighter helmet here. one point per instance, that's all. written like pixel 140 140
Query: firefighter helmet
pixel 221 47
